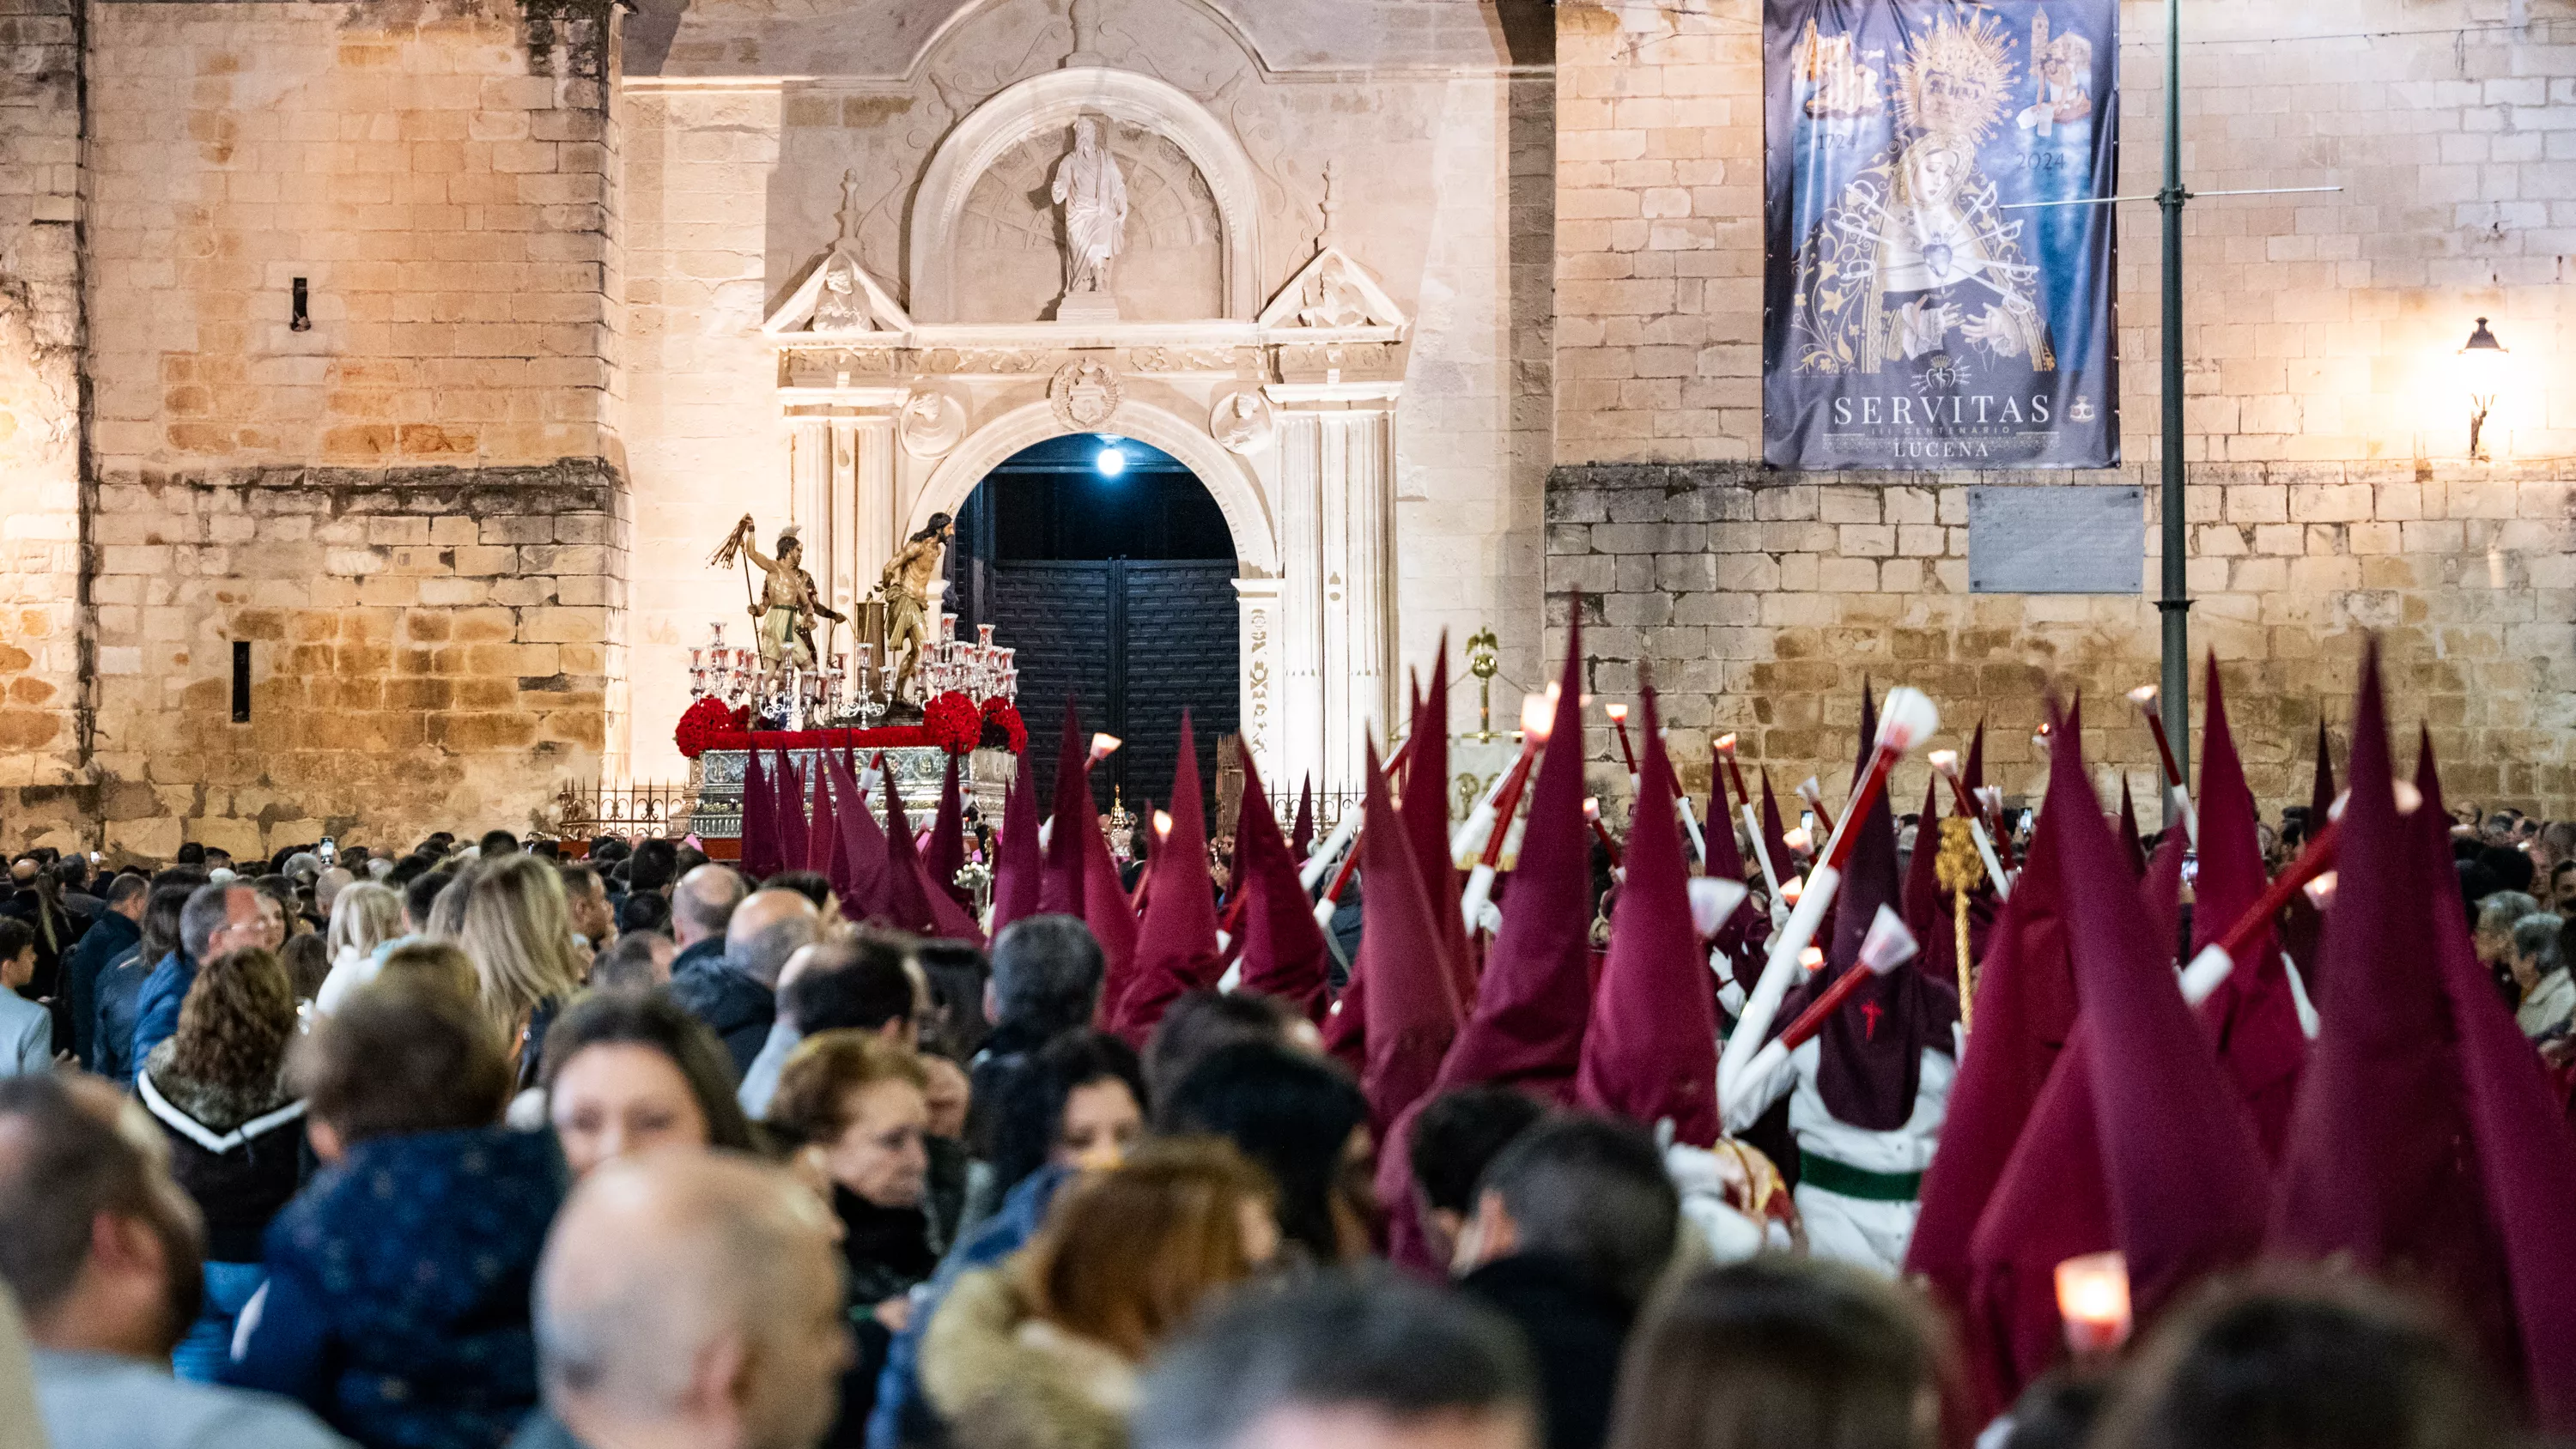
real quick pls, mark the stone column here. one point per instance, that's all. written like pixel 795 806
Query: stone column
pixel 813 487
pixel 1300 619
pixel 1262 720
pixel 1337 521
pixel 873 487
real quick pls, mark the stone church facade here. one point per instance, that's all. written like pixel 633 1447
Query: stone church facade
pixel 377 375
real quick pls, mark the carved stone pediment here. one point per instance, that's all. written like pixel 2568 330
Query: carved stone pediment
pixel 840 303
pixel 1335 296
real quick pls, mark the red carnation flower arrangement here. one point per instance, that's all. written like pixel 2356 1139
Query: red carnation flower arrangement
pixel 705 721
pixel 1003 727
pixel 953 722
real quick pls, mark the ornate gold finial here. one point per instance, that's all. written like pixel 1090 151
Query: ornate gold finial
pixel 1958 869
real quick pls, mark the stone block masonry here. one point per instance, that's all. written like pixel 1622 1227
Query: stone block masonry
pixel 431 653
pixel 1759 602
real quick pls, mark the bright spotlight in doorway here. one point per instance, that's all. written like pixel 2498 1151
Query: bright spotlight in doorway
pixel 1111 460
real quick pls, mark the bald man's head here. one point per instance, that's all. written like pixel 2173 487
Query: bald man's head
pixel 703 903
pixel 694 1291
pixel 766 930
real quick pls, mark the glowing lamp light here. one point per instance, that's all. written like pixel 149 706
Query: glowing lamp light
pixel 1111 460
pixel 2093 1299
pixel 1162 824
pixel 2483 364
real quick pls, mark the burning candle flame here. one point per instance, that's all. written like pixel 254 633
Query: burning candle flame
pixel 1813 958
pixel 2321 890
pixel 1618 713
pixel 2143 695
pixel 1538 716
pixel 1791 889
pixel 1162 823
pixel 1799 839
pixel 1945 761
pixel 2093 1299
pixel 1726 744
pixel 1103 746
pixel 1591 807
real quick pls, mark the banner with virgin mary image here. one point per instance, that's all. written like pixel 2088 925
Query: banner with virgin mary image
pixel 1930 297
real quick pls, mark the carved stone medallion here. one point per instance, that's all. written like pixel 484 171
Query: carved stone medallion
pixel 1085 395
pixel 1242 422
pixel 932 423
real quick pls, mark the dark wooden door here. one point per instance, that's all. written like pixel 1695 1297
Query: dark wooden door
pixel 1132 643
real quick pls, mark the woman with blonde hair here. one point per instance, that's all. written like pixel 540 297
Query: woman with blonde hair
pixel 1044 1351
pixel 363 917
pixel 516 931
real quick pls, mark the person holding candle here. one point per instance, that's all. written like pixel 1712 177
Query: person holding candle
pixel 1869 1091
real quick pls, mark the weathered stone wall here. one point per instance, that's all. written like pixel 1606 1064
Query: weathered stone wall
pixel 2326 422
pixel 1760 602
pixel 40 336
pixel 437 174
pixel 434 653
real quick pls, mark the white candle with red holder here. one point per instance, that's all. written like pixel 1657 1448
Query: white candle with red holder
pixel 1488 827
pixel 2177 789
pixel 1753 831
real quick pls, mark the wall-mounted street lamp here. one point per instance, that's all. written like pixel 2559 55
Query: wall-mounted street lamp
pixel 2482 366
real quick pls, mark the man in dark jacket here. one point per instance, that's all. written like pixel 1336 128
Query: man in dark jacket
pixel 736 994
pixel 1574 1222
pixel 702 906
pixel 117 929
pixel 1046 979
pixel 217 918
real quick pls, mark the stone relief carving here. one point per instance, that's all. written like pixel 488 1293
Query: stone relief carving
pixel 1093 192
pixel 1009 235
pixel 1085 395
pixel 1242 423
pixel 932 424
pixel 843 307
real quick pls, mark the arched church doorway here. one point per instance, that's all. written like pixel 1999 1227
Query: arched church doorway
pixel 1107 564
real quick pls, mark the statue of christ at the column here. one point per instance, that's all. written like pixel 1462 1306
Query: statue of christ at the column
pixel 1094 197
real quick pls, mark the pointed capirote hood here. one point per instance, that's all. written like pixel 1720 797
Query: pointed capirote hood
pixel 2025 1011
pixel 862 849
pixel 1111 917
pixel 1019 864
pixel 793 834
pixel 1972 771
pixel 1924 913
pixel 2161 889
pixel 1650 1049
pixel 946 853
pixel 1869 1056
pixel 822 826
pixel 2133 846
pixel 1527 1025
pixel 1283 949
pixel 2428 779
pixel 1063 887
pixel 1176 947
pixel 2181 1181
pixel 1425 808
pixel 760 853
pixel 1725 857
pixel 2321 788
pixel 1774 838
pixel 2423 1143
pixel 1301 836
pixel 2252 1015
pixel 1411 1005
pixel 907 900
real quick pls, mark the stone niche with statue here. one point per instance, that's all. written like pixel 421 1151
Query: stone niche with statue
pixel 1086 255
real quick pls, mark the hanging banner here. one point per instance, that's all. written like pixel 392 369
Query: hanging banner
pixel 1920 310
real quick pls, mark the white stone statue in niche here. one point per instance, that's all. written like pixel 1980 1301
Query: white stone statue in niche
pixel 842 306
pixel 1242 422
pixel 1093 193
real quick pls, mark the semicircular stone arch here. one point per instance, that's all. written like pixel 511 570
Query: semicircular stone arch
pixel 1053 101
pixel 1238 495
